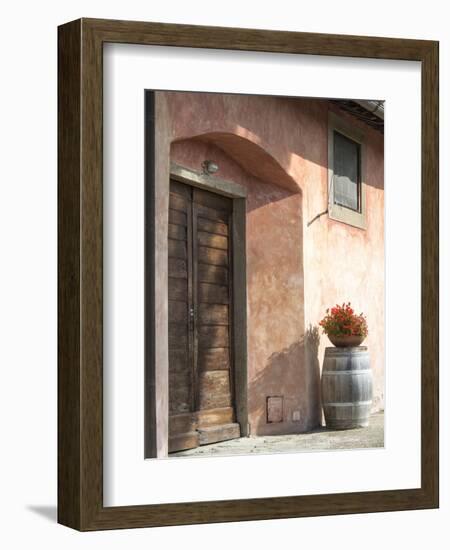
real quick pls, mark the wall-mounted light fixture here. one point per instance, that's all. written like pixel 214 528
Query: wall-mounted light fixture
pixel 209 167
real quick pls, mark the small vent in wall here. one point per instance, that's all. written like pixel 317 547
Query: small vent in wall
pixel 274 409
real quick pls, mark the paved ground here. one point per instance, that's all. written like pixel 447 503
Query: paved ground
pixel 317 440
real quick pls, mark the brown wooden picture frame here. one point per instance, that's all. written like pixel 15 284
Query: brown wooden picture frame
pixel 80 405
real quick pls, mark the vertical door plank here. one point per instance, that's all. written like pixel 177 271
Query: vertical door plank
pixel 211 214
pixel 182 424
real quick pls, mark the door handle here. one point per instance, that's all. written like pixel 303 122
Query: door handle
pixel 191 317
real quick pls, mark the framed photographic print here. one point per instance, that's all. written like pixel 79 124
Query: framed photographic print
pixel 248 274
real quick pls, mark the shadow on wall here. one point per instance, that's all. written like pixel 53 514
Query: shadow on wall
pixel 293 373
pixel 312 342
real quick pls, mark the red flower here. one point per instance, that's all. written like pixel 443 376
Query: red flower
pixel 341 320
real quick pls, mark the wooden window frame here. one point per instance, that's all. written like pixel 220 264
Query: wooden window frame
pixel 336 211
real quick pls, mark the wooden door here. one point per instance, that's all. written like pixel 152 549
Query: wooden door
pixel 201 401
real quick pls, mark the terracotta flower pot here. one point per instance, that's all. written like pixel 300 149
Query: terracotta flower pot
pixel 346 341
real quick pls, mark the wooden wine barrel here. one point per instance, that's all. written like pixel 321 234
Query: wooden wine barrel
pixel 346 386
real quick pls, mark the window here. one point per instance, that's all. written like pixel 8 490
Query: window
pixel 346 202
pixel 346 169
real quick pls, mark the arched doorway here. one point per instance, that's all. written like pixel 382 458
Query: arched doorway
pixel 217 403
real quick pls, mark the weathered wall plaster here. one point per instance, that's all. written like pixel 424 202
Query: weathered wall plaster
pixel 277 149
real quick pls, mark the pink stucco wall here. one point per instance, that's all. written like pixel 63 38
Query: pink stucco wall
pixel 277 148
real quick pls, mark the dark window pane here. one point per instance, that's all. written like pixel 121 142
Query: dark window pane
pixel 346 172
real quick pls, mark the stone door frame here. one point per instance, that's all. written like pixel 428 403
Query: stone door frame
pixel 238 194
